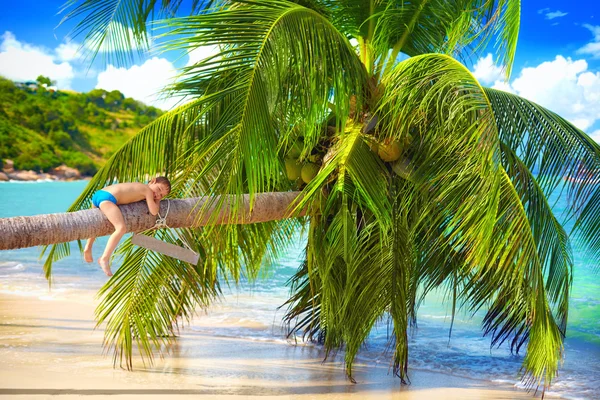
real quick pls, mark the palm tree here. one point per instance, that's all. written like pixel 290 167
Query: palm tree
pixel 419 177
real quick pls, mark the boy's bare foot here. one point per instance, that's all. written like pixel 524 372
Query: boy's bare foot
pixel 87 255
pixel 105 266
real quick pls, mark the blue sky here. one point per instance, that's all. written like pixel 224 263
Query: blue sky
pixel 557 62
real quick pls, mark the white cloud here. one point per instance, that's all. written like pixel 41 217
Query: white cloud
pixel 593 47
pixel 145 82
pixel 486 71
pixel 200 53
pixel 503 85
pixel 21 61
pixel 555 14
pixel 142 82
pixel 562 85
pixel 595 135
pixel 67 51
pixel 551 14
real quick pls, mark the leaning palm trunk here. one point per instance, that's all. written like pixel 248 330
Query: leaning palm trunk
pixel 19 232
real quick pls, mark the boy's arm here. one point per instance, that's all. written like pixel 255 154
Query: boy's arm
pixel 153 205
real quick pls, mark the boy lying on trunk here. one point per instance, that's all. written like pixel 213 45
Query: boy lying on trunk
pixel 107 200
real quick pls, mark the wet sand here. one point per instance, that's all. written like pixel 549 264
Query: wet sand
pixel 49 349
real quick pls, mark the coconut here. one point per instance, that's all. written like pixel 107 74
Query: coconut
pixel 309 171
pixel 295 150
pixel 292 168
pixel 389 150
pixel 373 145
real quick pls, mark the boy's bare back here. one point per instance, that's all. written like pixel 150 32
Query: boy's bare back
pixel 129 192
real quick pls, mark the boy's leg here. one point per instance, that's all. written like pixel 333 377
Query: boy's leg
pixel 87 251
pixel 113 213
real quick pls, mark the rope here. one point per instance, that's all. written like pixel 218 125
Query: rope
pixel 161 223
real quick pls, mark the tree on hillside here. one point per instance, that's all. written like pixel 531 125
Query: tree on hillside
pixel 418 177
pixel 114 99
pixel 44 81
pixel 97 97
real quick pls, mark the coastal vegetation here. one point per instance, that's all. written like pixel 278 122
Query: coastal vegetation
pixel 418 178
pixel 42 128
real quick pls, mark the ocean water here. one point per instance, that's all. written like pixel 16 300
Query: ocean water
pixel 252 310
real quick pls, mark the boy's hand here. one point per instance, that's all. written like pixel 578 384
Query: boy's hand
pixel 153 205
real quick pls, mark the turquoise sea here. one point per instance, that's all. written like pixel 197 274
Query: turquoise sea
pixel 251 310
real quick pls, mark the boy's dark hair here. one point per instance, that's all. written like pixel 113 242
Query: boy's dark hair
pixel 163 180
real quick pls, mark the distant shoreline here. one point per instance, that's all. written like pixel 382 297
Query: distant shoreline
pixel 87 178
pixel 61 173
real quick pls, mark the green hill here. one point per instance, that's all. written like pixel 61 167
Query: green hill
pixel 41 129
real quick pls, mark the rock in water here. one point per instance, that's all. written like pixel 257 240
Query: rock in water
pixel 23 176
pixel 66 172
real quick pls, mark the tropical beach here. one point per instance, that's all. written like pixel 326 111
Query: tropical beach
pixel 238 347
pixel 299 199
pixel 49 348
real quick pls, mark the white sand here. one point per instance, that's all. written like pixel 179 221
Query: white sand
pixel 50 349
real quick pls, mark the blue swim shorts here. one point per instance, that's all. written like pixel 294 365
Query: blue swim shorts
pixel 103 195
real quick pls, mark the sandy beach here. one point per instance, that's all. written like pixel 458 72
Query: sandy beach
pixel 49 348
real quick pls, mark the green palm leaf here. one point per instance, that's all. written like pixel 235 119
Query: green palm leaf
pixel 151 293
pixel 459 28
pixel 516 272
pixel 562 156
pixel 116 27
pixel 144 299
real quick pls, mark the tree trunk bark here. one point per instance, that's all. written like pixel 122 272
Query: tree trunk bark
pixel 19 232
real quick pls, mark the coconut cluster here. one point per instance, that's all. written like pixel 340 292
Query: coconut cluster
pixel 297 170
pixel 302 172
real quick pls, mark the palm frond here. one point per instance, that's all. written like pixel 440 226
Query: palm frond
pixel 151 294
pixel 459 28
pixel 116 28
pixel 143 300
pixel 515 272
pixel 552 241
pixel 287 86
pixel 434 100
pixel 562 157
pixel 363 252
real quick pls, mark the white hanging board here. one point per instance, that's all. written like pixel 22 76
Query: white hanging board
pixel 168 249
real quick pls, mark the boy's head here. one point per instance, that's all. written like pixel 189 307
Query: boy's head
pixel 160 186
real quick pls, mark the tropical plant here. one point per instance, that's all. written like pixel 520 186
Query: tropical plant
pixel 418 178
